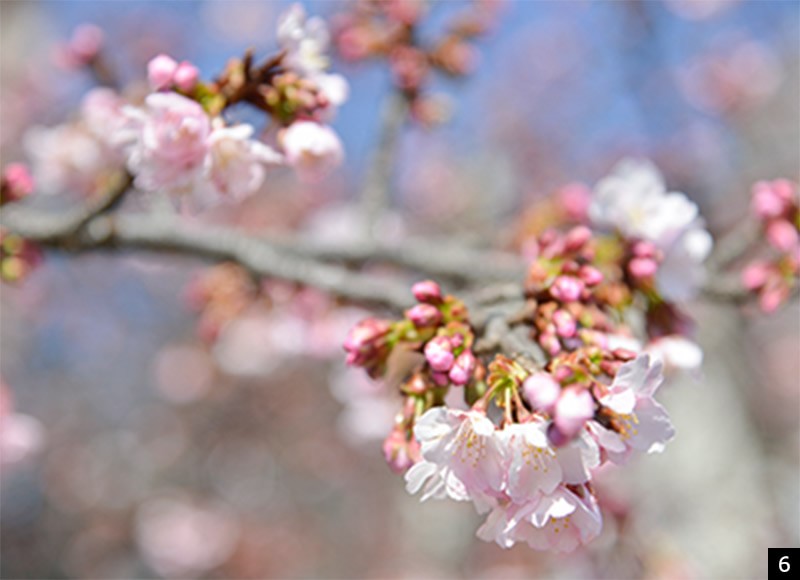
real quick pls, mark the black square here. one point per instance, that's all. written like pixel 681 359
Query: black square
pixel 783 563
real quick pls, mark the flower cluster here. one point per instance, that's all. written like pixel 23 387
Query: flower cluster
pixel 434 341
pixel 633 201
pixel 179 142
pixel 533 471
pixel 390 30
pixel 777 207
pixel 530 432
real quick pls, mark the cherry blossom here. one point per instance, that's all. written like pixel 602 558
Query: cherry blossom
pixel 313 150
pixel 172 144
pixel 634 420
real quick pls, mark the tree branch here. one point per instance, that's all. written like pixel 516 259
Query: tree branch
pixel 163 233
pixel 434 257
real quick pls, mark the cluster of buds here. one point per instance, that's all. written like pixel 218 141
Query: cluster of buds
pixel 164 73
pixel 436 335
pixel 220 294
pixel 776 205
pixel 570 298
pixel 390 30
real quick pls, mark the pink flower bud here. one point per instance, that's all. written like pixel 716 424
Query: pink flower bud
pixel 576 238
pixel 441 379
pixel 566 326
pixel 755 275
pixel 590 275
pixel 567 288
pixel 161 72
pixel 541 391
pixel 463 368
pixel 312 149
pixel 427 291
pixel 771 198
pixel 365 343
pixel 644 250
pixel 642 268
pixel 439 354
pixel 550 343
pixel 556 437
pixel 86 42
pixel 562 373
pixel 782 235
pixel 16 183
pixel 575 406
pixel 400 452
pixel 423 315
pixel 575 198
pixel 186 75
pixel 772 297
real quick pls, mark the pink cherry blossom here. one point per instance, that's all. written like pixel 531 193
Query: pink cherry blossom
pixel 463 443
pixel 172 144
pixel 531 464
pixel 559 521
pixel 235 163
pixel 637 421
pixel 313 150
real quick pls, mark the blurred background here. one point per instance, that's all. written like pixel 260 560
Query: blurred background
pixel 136 447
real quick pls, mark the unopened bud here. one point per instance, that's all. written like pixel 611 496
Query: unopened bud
pixel 427 291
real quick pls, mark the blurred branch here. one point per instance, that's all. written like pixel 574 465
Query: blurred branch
pixel 169 234
pixel 434 257
pixel 375 192
pixel 734 244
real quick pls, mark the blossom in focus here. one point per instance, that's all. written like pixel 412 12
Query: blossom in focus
pixel 313 150
pixel 462 443
pixel 559 521
pixel 633 419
